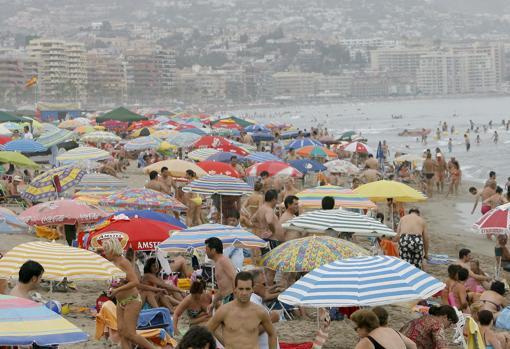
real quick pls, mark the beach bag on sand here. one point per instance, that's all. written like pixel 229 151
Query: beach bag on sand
pixel 503 319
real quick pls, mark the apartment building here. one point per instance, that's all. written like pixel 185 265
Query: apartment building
pixel 295 84
pixel 15 70
pixel 107 82
pixel 401 61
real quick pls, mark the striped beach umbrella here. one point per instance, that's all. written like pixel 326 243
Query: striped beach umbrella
pixel 194 238
pixel 83 154
pixel 100 180
pixel 224 156
pixel 496 221
pixel 142 198
pixel 59 261
pixel 218 184
pixel 300 143
pixel 74 123
pixel 274 168
pixel 24 146
pixel 18 159
pixel 341 166
pixel 362 281
pixel 306 254
pixel 257 128
pixel 260 156
pixel 340 221
pixel 311 199
pixel 84 129
pixel 202 154
pixel 44 186
pixel 143 143
pixel 101 137
pixel 55 137
pixel 25 323
pixel 176 167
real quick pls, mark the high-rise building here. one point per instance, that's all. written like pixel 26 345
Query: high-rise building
pixel 15 70
pixel 401 61
pixel 494 50
pixel 295 84
pixel 106 79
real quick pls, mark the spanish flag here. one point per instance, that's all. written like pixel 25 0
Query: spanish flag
pixel 31 82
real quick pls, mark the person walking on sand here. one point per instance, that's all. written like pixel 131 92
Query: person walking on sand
pixel 412 238
pixel 440 172
pixel 428 170
pixel 243 320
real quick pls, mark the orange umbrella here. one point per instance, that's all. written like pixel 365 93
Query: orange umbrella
pixel 314 151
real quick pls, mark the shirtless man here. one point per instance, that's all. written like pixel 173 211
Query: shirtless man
pixel 30 275
pixel 166 179
pixel 292 155
pixel 484 194
pixel 155 184
pixel 372 162
pixel 224 272
pixel 465 262
pixel 288 189
pixel 291 203
pixel 234 162
pixel 496 199
pixel 428 169
pixel 492 179
pixel 370 175
pixel 440 172
pixel 267 182
pixel 251 204
pixel 413 239
pixel 242 320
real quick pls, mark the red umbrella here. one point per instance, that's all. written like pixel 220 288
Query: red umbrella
pixel 5 139
pixel 274 168
pixel 227 125
pixel 62 212
pixel 141 234
pixel 215 168
pixel 112 124
pixel 357 147
pixel 496 221
pixel 220 143
pixel 141 124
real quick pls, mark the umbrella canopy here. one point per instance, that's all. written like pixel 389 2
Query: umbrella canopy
pixel 8 117
pixel 62 212
pixel 176 167
pixel 4 131
pixel 314 151
pixel 194 130
pixel 259 156
pixel 100 180
pixel 358 147
pixel 155 216
pixel 274 168
pixel 347 136
pixel 74 123
pixel 341 221
pixel 55 137
pixel 300 143
pixel 202 154
pixel 306 254
pixel 43 186
pixel 101 137
pixel 409 158
pixel 24 146
pixel 496 221
pixel 241 122
pixel 84 129
pixel 380 191
pixel 262 137
pixel 362 281
pixel 182 139
pixel 218 184
pixel 83 153
pixel 257 128
pixel 311 199
pixel 12 126
pixel 4 139
pixel 220 168
pixel 223 156
pixel 115 124
pixel 194 238
pixel 140 234
pixel 59 261
pixel 141 132
pixel 120 114
pixel 341 166
pixel 141 198
pixel 220 143
pixel 18 159
pixel 24 323
pixel 11 224
pixel 305 165
pixel 143 143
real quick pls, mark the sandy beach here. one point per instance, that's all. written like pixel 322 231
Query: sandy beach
pixel 449 230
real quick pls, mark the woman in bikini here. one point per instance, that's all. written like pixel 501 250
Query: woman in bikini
pixel 195 305
pixel 128 299
pixel 493 299
pixel 169 296
pixel 453 269
pixel 252 203
pixel 455 176
pixel 193 202
pixel 458 296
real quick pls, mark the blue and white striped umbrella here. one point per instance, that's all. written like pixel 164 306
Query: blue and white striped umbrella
pixel 260 156
pixel 55 136
pixel 100 137
pixel 257 128
pixel 81 154
pixel 24 146
pixel 224 156
pixel 13 126
pixel 262 137
pixel 218 184
pixel 300 143
pixel 182 139
pixel 143 143
pixel 202 154
pixel 362 281
pixel 193 238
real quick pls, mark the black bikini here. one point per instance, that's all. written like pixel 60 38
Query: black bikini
pixel 375 343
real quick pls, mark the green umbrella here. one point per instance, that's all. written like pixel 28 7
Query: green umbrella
pixel 120 114
pixel 15 158
pixel 241 122
pixel 5 117
pixel 347 136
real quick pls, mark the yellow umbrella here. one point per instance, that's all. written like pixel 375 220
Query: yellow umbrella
pixel 99 128
pixel 59 261
pixel 136 133
pixel 84 129
pixel 379 191
pixel 176 167
pixel 163 134
pixel 164 146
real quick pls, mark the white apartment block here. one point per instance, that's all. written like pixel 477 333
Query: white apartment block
pixel 295 84
pixel 403 61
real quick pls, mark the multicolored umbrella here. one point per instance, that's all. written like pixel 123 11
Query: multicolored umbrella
pixel 143 143
pixel 101 137
pixel 141 198
pixel 44 186
pixel 496 221
pixel 24 146
pixel 4 139
pixel 176 167
pixel 194 238
pixel 306 165
pixel 274 168
pixel 218 184
pixel 11 224
pixel 380 191
pixel 100 180
pixel 314 151
pixel 84 129
pixel 300 143
pixel 306 254
pixel 260 156
pixel 153 215
pixel 342 166
pixel 224 156
pixel 62 212
pixel 220 143
pixel 18 159
pixel 311 199
pixel 83 153
pixel 74 123
pixel 257 128
pixel 25 323
pixel 358 147
pixel 219 168
pixel 59 261
pixel 55 137
pixel 340 221
pixel 362 281
pixel 202 154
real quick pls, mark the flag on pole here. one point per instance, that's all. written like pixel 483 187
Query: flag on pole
pixel 31 82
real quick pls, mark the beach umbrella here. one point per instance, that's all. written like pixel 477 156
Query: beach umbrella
pixel 11 224
pixel 496 221
pixel 202 154
pixel 94 196
pixel 55 137
pixel 347 136
pixel 193 130
pixel 227 124
pixel 25 323
pixel 262 137
pixel 61 212
pixel 142 143
pixel 306 254
pixel 163 134
pixel 176 167
pixel 341 166
pixel 300 143
pixel 247 147
pixel 81 154
pixel 357 147
pixel 24 146
pixel 4 131
pixel 4 139
pixel 223 156
pixel 340 221
pixel 257 128
pixel 362 281
pixel 115 124
pixel 142 198
pixel 120 114
pixel 13 126
pixel 380 191
pixel 218 184
pixel 311 199
pixel 409 158
pixel 8 117
pixel 100 180
pixel 305 165
pixel 274 168
pixel 241 122
pixel 59 261
pixel 141 132
pixel 45 186
pixel 18 159
pixel 219 168
pixel 74 123
pixel 84 129
pixel 220 143
pixel 138 233
pixel 153 215
pixel 182 139
pixel 328 140
pixel 101 137
pixel 194 238
pixel 260 156
pixel 314 151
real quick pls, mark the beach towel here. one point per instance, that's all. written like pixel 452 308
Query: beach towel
pixel 503 319
pixel 47 233
pixel 474 337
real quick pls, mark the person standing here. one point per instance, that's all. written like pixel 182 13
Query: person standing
pixel 224 272
pixel 467 142
pixel 428 170
pixel 440 172
pixel 291 203
pixel 27 134
pixel 412 238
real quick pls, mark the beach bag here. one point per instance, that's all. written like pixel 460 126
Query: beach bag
pixel 503 319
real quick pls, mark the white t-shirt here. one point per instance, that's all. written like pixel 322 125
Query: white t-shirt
pixel 263 338
pixel 28 135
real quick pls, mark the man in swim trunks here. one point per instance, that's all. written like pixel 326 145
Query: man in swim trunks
pixel 440 172
pixel 412 238
pixel 492 179
pixel 155 184
pixel 428 170
pixel 291 203
pixel 465 262
pixel 166 179
pixel 484 194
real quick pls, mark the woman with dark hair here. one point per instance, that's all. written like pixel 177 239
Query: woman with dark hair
pixel 458 296
pixel 197 337
pixel 491 339
pixel 195 304
pixel 493 299
pixel 170 295
pixel 428 331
